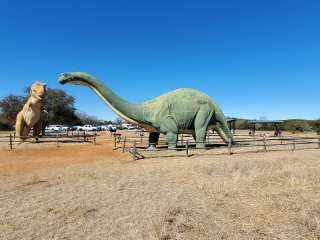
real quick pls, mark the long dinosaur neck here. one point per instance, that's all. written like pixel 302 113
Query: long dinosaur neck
pixel 128 111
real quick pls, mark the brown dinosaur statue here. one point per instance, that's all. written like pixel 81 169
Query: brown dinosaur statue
pixel 31 114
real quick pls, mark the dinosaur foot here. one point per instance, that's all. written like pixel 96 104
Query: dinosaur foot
pixel 172 147
pixel 35 140
pixel 201 146
pixel 152 148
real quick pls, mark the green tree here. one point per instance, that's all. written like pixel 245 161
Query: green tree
pixel 87 119
pixel 316 126
pixel 60 108
pixel 10 106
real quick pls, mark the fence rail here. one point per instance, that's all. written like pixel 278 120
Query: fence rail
pixel 134 145
pixel 58 138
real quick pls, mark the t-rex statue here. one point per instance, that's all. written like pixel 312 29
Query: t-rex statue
pixel 180 111
pixel 31 114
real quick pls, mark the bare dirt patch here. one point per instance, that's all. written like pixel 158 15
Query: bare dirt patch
pixel 29 159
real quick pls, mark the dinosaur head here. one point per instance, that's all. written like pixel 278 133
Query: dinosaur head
pixel 38 90
pixel 72 77
pixel 221 127
pixel 66 77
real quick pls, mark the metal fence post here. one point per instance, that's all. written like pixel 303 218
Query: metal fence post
pixel 187 148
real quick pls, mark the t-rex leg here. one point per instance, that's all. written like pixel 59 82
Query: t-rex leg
pixel 25 132
pixel 169 126
pixel 37 128
pixel 201 123
pixel 20 125
pixel 153 140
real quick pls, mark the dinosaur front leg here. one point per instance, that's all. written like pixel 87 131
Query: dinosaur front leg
pixel 201 123
pixel 170 128
pixel 153 140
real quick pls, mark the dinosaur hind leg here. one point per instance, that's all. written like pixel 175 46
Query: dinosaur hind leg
pixel 37 128
pixel 25 132
pixel 201 123
pixel 170 128
pixel 20 126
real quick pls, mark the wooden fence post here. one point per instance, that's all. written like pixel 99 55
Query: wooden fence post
pixel 10 139
pixel 264 144
pixel 230 146
pixel 57 138
pixel 294 144
pixel 141 135
pixel 124 143
pixel 134 151
pixel 319 142
pixel 84 136
pixel 182 139
pixel 187 148
pixel 94 138
pixel 115 141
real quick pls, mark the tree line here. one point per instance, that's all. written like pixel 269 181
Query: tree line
pixel 291 125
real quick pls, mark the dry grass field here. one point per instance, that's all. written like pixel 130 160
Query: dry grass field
pixel 88 191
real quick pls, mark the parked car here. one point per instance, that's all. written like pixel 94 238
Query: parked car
pixel 54 128
pixel 102 128
pixel 127 126
pixel 65 128
pixel 111 128
pixel 76 128
pixel 89 128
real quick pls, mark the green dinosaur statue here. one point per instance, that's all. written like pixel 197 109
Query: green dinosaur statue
pixel 180 111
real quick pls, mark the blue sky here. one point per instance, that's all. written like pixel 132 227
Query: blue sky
pixel 254 58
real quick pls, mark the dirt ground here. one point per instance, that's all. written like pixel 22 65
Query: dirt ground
pixel 89 191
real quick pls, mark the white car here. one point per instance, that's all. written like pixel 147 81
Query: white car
pixel 112 128
pixel 65 128
pixel 127 126
pixel 88 128
pixel 103 128
pixel 54 128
